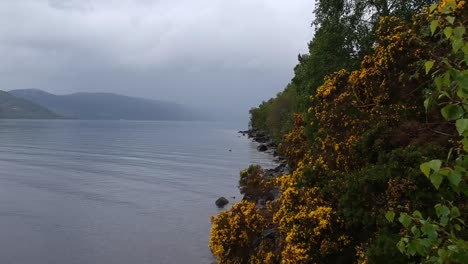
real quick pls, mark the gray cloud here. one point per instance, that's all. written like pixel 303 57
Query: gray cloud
pixel 228 55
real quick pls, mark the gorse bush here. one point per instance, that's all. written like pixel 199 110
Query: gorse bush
pixel 382 138
pixel 253 184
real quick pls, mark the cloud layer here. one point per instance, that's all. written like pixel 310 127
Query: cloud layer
pixel 219 54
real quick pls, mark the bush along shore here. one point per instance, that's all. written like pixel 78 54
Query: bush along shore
pixel 266 144
pixel 374 131
pixel 253 182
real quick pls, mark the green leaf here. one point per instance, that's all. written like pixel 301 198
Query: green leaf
pixel 434 25
pixel 417 215
pixel 438 82
pixel 462 92
pixel 445 171
pixel 447 9
pixel 462 79
pixel 458 32
pixel 390 215
pixel 442 253
pixel 457 44
pixel 462 126
pixel 450 19
pixel 405 219
pixel 465 48
pixel 429 230
pixel 462 161
pixel 454 178
pixel 432 234
pixel 448 32
pixel 412 248
pixel 465 144
pixel 452 112
pixel 432 8
pixel 446 79
pixel 455 212
pixel 425 243
pixel 453 248
pixel 401 245
pixel 442 210
pixel 443 94
pixel 415 231
pixel 428 65
pixel 425 168
pixel 436 180
pixel 435 165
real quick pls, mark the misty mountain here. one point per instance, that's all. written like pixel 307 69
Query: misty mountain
pixel 14 107
pixel 104 106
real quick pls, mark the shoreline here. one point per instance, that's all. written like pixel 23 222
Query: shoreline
pixel 267 145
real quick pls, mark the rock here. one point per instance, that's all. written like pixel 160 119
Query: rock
pixel 275 153
pixel 272 144
pixel 279 170
pixel 261 202
pixel 252 132
pixel 262 148
pixel 261 134
pixel 271 196
pixel 221 202
pixel 257 135
pixel 269 233
pixel 262 139
pixel 269 173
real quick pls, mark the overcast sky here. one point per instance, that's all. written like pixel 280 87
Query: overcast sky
pixel 222 55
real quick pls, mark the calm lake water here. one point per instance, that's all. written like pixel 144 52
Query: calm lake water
pixel 115 191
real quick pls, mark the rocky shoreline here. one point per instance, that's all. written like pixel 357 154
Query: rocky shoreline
pixel 266 144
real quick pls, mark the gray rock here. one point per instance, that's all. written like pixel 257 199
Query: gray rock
pixel 262 139
pixel 262 148
pixel 221 202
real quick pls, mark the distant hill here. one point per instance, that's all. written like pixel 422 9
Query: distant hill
pixel 106 106
pixel 14 107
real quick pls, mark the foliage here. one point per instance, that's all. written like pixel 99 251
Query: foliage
pixel 254 184
pixel 443 239
pixel 294 144
pixel 235 232
pixel 274 116
pixel 309 226
pixel 395 96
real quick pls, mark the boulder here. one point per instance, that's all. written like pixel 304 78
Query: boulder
pixel 221 202
pixel 269 233
pixel 262 147
pixel 263 139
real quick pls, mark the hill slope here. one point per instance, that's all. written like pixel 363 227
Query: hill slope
pixel 108 106
pixel 14 107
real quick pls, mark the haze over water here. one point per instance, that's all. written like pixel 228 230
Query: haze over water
pixel 115 191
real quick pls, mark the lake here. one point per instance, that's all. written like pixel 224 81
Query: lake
pixel 115 191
